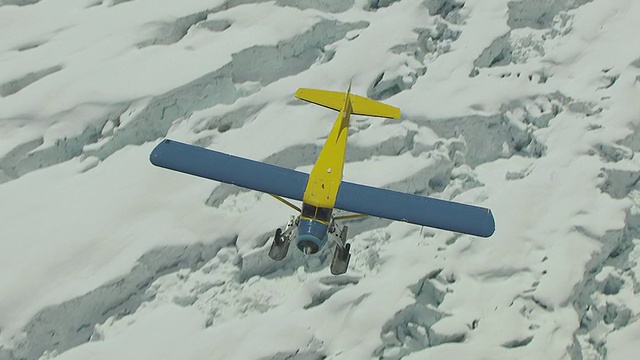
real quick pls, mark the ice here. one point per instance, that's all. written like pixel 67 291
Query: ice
pixel 526 107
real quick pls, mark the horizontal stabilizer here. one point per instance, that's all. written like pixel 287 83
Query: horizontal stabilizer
pixel 229 169
pixel 330 99
pixel 368 107
pixel 359 105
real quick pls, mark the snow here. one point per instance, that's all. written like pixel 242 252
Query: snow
pixel 529 109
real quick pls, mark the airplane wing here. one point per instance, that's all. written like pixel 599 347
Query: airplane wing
pixel 229 169
pixel 415 209
pixel 271 179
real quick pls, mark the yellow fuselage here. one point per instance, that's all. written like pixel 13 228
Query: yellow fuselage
pixel 326 175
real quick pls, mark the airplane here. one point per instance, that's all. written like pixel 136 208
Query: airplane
pixel 322 191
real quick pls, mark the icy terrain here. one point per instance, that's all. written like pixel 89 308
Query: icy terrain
pixel 530 108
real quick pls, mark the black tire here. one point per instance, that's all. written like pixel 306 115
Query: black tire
pixel 279 247
pixel 343 235
pixel 277 239
pixel 340 261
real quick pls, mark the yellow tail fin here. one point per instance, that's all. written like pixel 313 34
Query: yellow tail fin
pixel 367 107
pixel 359 105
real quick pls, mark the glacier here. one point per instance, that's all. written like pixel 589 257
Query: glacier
pixel 526 107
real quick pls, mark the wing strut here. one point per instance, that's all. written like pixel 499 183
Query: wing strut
pixel 350 217
pixel 283 200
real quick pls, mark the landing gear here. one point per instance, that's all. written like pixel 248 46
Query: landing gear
pixel 279 247
pixel 281 241
pixel 341 254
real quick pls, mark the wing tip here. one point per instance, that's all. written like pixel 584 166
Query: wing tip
pixel 491 225
pixel 157 152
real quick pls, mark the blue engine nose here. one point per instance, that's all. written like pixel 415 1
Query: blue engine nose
pixel 312 235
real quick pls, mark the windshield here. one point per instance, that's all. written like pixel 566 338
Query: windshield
pixel 320 213
pixel 308 211
pixel 324 214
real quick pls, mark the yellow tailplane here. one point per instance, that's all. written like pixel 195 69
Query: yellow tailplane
pixel 359 105
pixel 326 176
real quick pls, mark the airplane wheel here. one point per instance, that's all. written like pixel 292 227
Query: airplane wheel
pixel 277 239
pixel 279 247
pixel 340 260
pixel 343 235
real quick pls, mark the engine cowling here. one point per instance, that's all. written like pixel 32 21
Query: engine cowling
pixel 312 236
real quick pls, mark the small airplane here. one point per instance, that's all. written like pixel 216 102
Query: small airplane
pixel 323 190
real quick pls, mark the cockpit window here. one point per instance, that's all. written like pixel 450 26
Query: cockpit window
pixel 308 211
pixel 324 214
pixel 320 213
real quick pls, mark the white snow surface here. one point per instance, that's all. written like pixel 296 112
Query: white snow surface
pixel 105 256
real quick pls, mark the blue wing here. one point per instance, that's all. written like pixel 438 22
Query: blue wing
pixel 214 165
pixel 229 169
pixel 421 210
